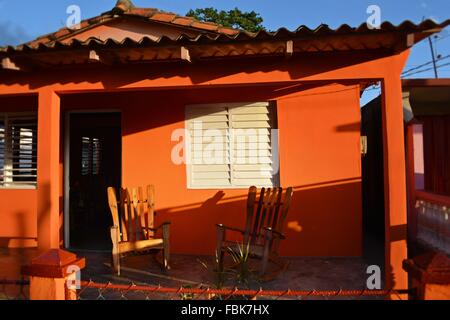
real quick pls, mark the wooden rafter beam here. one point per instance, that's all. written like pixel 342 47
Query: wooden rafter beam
pixel 289 48
pixel 100 57
pixel 410 40
pixel 185 54
pixel 10 64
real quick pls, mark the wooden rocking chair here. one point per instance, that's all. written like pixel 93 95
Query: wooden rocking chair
pixel 133 229
pixel 263 229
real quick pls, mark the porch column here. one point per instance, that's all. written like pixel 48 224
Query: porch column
pixel 395 183
pixel 48 179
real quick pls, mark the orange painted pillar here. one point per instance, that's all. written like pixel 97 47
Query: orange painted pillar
pixel 395 183
pixel 48 170
pixel 53 275
pixel 411 183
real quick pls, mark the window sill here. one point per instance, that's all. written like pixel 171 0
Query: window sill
pixel 18 188
pixel 226 188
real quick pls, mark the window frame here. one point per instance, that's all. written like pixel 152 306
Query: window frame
pixel 274 144
pixel 14 185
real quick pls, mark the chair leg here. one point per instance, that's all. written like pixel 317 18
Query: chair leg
pixel 166 243
pixel 267 245
pixel 115 235
pixel 219 251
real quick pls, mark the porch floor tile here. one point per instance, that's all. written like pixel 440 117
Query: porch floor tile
pixel 301 273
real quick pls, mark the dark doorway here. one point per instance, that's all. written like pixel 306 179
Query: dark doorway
pixel 95 164
pixel 373 184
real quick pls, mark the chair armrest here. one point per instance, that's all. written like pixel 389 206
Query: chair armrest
pixel 158 227
pixel 230 228
pixel 276 233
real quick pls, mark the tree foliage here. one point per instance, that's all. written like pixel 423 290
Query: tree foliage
pixel 248 21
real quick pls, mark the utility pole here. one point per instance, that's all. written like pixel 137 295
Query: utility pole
pixel 433 57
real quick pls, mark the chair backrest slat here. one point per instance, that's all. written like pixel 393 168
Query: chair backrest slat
pixel 276 209
pixel 124 214
pixel 113 205
pixel 270 212
pixel 250 212
pixel 143 213
pixel 151 209
pixel 131 219
pixel 286 206
pixel 271 208
pixel 140 216
pixel 134 212
pixel 262 219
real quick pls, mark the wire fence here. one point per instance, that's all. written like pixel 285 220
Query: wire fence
pixel 90 290
pixel 14 289
pixel 108 291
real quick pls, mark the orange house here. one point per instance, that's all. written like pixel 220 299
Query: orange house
pixel 427 149
pixel 107 103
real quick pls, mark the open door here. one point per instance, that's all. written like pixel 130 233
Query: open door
pixel 94 165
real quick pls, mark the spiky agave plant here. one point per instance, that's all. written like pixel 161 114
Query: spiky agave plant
pixel 241 258
pixel 187 296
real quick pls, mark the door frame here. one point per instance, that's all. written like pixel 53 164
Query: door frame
pixel 66 170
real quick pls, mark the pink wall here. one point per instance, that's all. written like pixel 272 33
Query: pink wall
pixel 419 166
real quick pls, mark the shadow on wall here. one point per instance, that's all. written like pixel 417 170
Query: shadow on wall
pixel 20 229
pixel 325 219
pixel 209 71
pixel 397 234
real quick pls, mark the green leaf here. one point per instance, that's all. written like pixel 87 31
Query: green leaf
pixel 247 21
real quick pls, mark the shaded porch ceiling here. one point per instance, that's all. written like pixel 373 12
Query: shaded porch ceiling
pixel 428 97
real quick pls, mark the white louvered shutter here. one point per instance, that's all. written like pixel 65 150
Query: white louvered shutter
pixel 252 145
pixel 18 150
pixel 230 145
pixel 209 146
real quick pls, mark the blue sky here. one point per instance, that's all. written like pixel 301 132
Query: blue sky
pixel 23 20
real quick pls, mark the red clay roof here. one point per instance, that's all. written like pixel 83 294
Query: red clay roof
pixel 421 31
pixel 210 33
pixel 214 32
pixel 123 9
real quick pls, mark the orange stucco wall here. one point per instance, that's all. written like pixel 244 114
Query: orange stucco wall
pixel 18 217
pixel 319 156
pixel 18 228
pixel 353 66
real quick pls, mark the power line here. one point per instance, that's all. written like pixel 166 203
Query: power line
pixel 428 69
pixel 424 65
pixel 441 38
pixel 378 87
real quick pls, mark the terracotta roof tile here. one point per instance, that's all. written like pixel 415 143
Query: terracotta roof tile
pixel 163 17
pixel 183 21
pixel 304 33
pixel 206 26
pixel 143 12
pixel 126 8
pixel 61 33
pixel 211 31
pixel 228 31
pixel 84 24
